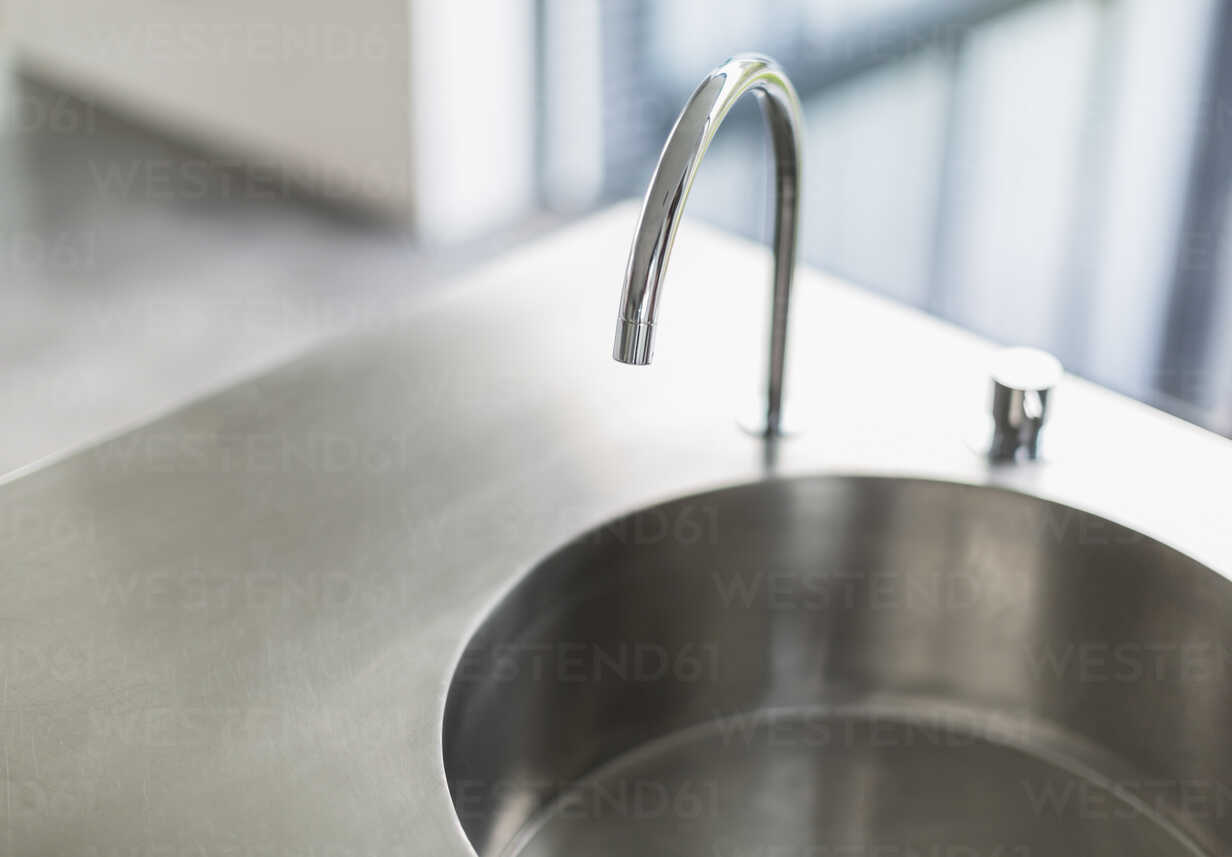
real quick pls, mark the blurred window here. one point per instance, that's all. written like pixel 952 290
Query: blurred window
pixel 1043 172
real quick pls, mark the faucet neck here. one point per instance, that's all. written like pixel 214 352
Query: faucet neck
pixel 669 189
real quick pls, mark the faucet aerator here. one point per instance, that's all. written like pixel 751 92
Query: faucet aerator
pixel 634 342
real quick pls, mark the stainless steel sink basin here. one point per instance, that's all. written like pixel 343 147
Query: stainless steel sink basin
pixel 850 666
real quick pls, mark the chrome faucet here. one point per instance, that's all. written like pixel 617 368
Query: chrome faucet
pixel 669 188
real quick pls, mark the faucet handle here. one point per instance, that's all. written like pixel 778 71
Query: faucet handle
pixel 1021 381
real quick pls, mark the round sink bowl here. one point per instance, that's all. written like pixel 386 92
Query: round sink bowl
pixel 850 667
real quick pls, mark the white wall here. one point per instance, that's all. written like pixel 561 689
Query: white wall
pixel 473 111
pixel 419 108
pixel 315 88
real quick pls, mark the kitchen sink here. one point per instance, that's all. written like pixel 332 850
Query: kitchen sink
pixel 842 665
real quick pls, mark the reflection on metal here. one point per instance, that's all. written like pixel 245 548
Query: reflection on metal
pixel 669 189
pixel 1021 382
pixel 851 661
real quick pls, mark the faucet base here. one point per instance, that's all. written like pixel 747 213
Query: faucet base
pixel 756 422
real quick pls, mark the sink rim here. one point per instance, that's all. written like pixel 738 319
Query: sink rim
pixel 983 482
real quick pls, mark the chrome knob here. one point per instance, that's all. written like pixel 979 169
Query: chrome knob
pixel 1021 381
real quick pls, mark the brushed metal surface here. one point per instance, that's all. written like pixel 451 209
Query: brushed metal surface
pixel 850 665
pixel 232 631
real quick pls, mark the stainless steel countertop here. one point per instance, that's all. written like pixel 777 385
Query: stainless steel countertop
pixel 231 631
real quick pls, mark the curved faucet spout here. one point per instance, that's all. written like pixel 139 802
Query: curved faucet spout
pixel 669 188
